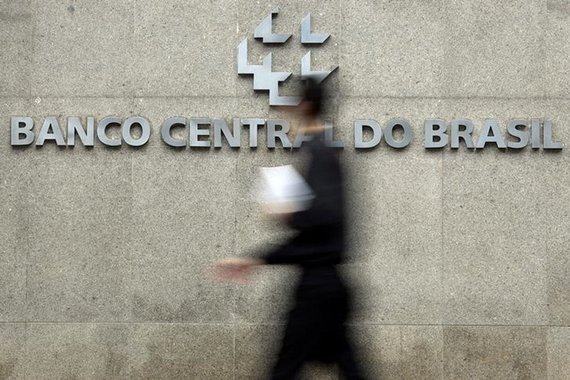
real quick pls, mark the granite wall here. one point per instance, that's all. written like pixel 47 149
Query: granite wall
pixel 460 258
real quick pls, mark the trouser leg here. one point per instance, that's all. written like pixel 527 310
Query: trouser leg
pixel 347 363
pixel 293 352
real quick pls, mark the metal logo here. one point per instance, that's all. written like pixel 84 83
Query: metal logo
pixel 264 78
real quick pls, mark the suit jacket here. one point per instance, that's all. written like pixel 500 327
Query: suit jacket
pixel 319 241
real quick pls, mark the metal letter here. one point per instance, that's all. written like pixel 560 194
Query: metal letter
pixel 21 125
pixel 264 31
pixel 145 131
pixel 490 125
pixel 273 133
pixel 233 139
pixel 522 136
pixel 462 129
pixel 389 133
pixel 311 38
pixel 307 73
pixel 195 132
pixel 167 127
pixel 74 126
pixel 50 123
pixel 102 127
pixel 431 133
pixel 535 128
pixel 548 143
pixel 329 138
pixel 264 79
pixel 300 138
pixel 253 124
pixel 359 142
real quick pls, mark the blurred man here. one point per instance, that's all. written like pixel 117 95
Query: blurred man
pixel 316 328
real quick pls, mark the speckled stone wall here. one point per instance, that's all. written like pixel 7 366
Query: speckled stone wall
pixel 460 258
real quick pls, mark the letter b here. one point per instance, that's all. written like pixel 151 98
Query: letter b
pixel 21 126
pixel 431 133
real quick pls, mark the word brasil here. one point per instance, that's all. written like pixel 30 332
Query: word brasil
pixel 206 133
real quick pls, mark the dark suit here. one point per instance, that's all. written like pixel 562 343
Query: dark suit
pixel 316 325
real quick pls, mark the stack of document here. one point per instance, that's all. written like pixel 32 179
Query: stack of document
pixel 283 189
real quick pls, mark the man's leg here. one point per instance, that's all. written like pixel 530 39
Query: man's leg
pixel 294 348
pixel 347 363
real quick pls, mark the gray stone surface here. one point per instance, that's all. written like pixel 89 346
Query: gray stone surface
pixel 183 222
pixel 62 230
pixel 557 44
pixel 16 39
pixel 122 351
pixel 181 228
pixel 558 240
pixel 482 352
pixel 558 353
pixel 495 265
pixel 554 176
pixel 400 352
pixel 14 259
pixel 78 214
pixel 82 48
pixel 256 349
pixel 177 351
pixel 559 270
pixel 393 48
pixel 12 350
pixel 494 269
pixel 490 48
pixel 397 237
pixel 14 183
pixel 184 48
pixel 71 351
pixel 454 50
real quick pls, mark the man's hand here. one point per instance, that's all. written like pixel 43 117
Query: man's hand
pixel 235 269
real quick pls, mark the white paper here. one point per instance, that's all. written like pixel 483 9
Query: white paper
pixel 283 185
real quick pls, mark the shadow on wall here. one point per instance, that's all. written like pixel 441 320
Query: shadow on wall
pixel 386 357
pixel 7 369
pixel 115 363
pixel 413 362
pixel 162 364
pixel 181 351
pixel 560 6
pixel 162 312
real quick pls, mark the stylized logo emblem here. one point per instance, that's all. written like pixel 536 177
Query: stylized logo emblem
pixel 264 78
